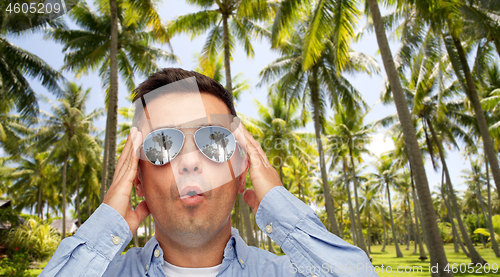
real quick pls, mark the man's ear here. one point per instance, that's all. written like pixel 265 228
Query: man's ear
pixel 242 180
pixel 138 182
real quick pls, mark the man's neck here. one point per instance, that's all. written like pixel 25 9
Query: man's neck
pixel 207 255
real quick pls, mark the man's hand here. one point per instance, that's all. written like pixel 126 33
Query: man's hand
pixel 263 175
pixel 118 195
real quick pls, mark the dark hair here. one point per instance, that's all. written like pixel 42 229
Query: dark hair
pixel 171 75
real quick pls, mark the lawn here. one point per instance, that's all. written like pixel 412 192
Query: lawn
pixel 388 259
pixel 409 260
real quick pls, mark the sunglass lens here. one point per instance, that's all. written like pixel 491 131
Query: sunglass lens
pixel 161 146
pixel 216 143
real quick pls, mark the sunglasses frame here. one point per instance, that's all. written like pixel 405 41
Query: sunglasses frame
pixel 194 138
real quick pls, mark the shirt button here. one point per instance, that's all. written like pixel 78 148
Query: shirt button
pixel 117 240
pixel 157 253
pixel 269 228
pixel 230 248
pixel 241 261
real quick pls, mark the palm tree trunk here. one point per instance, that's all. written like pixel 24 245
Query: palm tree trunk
pixel 65 167
pixel 227 54
pixel 421 249
pixel 479 226
pixel 408 233
pixel 341 222
pixel 454 226
pixel 105 159
pixel 416 229
pixel 88 201
pixel 472 94
pixel 330 211
pixel 281 172
pixel 270 245
pixel 78 212
pixel 394 234
pixel 433 237
pixel 113 92
pixel 246 221
pixel 456 248
pixel 456 237
pixel 410 219
pixel 369 234
pixel 361 240
pixel 385 234
pixel 149 226
pixel 474 255
pixel 349 203
pixel 40 212
pixel 490 227
pixel 494 243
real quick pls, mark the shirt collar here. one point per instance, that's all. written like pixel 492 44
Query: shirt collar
pixel 235 245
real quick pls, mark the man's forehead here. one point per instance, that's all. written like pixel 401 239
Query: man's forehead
pixel 180 109
pixel 175 109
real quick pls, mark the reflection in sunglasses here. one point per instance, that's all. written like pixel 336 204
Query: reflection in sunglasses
pixel 216 143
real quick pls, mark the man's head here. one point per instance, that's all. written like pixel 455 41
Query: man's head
pixel 187 223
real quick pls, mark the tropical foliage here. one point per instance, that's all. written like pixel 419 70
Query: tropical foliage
pixel 314 125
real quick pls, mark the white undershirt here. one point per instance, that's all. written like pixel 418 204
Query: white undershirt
pixel 175 271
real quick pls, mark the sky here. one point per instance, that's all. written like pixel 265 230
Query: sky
pixel 185 48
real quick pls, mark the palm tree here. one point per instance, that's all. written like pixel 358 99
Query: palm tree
pixel 32 179
pixel 14 127
pixel 351 134
pixel 314 86
pixel 452 20
pixel 67 129
pixel 88 49
pixel 275 131
pixel 430 108
pixel 228 20
pixel 475 180
pixel 433 237
pixel 213 67
pixel 370 200
pixel 387 175
pixel 16 64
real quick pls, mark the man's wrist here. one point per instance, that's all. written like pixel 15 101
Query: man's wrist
pixel 279 212
pixel 106 231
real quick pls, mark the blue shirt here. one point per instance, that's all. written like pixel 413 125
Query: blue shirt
pixel 311 250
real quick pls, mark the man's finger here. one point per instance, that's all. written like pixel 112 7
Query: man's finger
pixel 133 163
pixel 124 155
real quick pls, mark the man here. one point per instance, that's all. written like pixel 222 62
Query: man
pixel 190 193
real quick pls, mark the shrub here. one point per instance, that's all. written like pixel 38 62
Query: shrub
pixel 16 265
pixel 446 231
pixel 38 240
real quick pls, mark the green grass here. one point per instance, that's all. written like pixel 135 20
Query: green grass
pixel 388 258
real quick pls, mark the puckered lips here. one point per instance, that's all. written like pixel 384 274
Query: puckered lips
pixel 191 195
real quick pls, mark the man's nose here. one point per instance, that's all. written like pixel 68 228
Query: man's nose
pixel 190 157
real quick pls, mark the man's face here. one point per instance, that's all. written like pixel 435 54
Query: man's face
pixel 185 221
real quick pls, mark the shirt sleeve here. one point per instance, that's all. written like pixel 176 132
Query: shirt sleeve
pixel 311 248
pixel 90 250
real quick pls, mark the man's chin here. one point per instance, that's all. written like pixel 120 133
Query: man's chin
pixel 192 233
